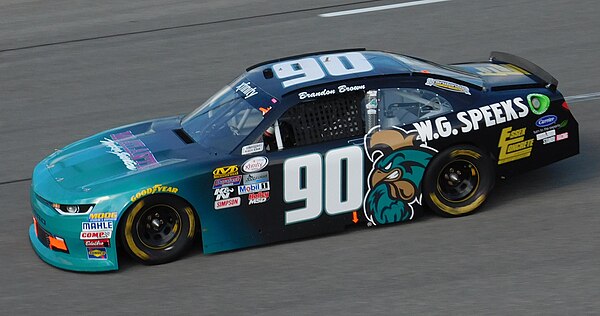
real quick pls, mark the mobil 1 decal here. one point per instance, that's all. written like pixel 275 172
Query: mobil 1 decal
pixel 330 183
pixel 399 161
pixel 473 119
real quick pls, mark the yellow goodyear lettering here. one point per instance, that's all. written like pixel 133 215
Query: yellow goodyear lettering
pixel 129 233
pixel 464 152
pixel 157 188
pixel 457 210
pixel 513 145
pixel 227 171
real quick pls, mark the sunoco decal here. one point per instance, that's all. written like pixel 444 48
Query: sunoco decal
pixel 472 120
pixel 97 253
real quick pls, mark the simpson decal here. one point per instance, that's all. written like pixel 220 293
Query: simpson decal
pixel 232 202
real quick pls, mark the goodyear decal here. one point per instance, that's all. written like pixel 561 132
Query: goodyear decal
pixel 157 188
pixel 513 145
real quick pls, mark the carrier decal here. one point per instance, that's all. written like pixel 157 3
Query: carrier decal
pixel 399 161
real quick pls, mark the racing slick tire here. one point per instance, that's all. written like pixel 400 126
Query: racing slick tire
pixel 158 229
pixel 458 180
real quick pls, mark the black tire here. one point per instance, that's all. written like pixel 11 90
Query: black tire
pixel 458 180
pixel 158 229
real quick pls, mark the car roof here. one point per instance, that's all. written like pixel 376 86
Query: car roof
pixel 383 64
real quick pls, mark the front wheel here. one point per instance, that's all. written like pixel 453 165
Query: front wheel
pixel 158 229
pixel 458 180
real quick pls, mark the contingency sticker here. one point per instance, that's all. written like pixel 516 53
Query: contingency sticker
pixel 513 145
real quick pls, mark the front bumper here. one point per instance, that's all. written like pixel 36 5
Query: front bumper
pixel 69 261
pixel 56 239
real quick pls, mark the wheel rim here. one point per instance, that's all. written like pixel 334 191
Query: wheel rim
pixel 458 181
pixel 159 226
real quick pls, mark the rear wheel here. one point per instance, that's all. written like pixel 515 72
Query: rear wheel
pixel 158 229
pixel 458 181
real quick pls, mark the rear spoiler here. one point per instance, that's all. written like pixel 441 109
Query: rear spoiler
pixel 548 79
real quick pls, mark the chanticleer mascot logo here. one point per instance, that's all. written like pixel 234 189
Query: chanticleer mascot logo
pixel 399 162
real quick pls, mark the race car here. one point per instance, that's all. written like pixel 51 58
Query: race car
pixel 296 147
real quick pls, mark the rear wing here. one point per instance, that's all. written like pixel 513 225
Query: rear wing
pixel 550 82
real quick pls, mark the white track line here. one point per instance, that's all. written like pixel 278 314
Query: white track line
pixel 583 97
pixel 379 8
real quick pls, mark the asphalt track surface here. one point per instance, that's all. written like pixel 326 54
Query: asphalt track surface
pixel 69 69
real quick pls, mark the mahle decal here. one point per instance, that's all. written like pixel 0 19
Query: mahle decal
pixel 513 145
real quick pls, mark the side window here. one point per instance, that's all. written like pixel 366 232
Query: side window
pixel 401 106
pixel 321 120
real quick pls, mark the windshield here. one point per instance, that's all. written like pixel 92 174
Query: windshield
pixel 223 121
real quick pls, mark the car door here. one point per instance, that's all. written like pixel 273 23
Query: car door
pixel 315 172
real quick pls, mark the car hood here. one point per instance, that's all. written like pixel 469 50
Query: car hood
pixel 119 153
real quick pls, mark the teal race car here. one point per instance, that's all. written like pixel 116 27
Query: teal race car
pixel 296 147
